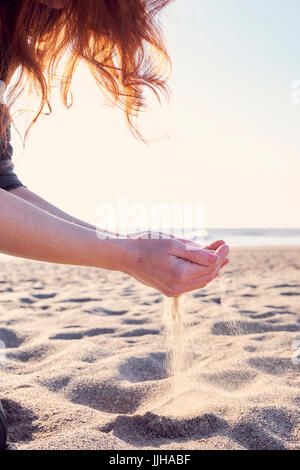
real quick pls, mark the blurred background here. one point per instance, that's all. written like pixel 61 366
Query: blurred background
pixel 229 139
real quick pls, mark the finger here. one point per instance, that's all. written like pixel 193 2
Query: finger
pixel 192 270
pixel 195 255
pixel 225 263
pixel 215 245
pixel 223 251
pixel 206 274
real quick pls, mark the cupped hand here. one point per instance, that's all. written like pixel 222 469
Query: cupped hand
pixel 173 266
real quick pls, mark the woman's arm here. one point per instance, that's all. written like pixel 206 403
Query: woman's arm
pixel 37 201
pixel 29 232
pixel 167 265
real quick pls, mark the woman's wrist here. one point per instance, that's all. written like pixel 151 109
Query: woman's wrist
pixel 116 254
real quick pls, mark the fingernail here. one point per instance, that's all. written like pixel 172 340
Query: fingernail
pixel 226 249
pixel 212 259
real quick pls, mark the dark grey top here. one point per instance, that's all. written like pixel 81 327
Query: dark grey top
pixel 8 179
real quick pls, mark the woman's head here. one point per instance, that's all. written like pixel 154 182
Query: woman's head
pixel 120 40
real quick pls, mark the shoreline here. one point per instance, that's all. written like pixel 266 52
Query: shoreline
pixel 4 257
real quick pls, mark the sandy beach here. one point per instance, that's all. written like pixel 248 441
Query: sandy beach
pixel 85 358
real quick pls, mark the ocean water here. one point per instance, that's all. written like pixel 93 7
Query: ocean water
pixel 251 237
pixel 238 237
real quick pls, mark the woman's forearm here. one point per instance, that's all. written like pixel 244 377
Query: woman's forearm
pixel 37 201
pixel 29 196
pixel 27 231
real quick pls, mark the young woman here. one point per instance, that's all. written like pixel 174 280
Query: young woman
pixel 123 46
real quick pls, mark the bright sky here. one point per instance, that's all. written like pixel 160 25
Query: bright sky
pixel 234 130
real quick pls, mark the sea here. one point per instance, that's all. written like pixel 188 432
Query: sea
pixel 239 237
pixel 250 237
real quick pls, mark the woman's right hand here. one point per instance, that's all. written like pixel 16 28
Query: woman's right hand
pixel 173 266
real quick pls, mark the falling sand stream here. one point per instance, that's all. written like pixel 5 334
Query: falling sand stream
pixel 179 349
pixel 186 391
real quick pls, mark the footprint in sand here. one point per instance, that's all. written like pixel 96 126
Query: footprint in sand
pixel 82 334
pixel 276 306
pixel 263 315
pixel 114 312
pixel 80 300
pixel 281 422
pixel 262 338
pixel 271 313
pixel 248 328
pixel 27 300
pixel 284 286
pixel 290 293
pixel 72 326
pixel 199 295
pixel 22 420
pixel 139 332
pixel 34 353
pixel 252 437
pixel 216 300
pixel 230 379
pixel 57 383
pixel 10 338
pixel 151 428
pixel 106 396
pixel 8 289
pixel 143 369
pixel 101 311
pixel 133 321
pixel 273 365
pixel 44 296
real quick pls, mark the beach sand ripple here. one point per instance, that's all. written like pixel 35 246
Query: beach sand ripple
pixel 86 354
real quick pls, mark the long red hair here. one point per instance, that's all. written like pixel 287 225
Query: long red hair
pixel 121 41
